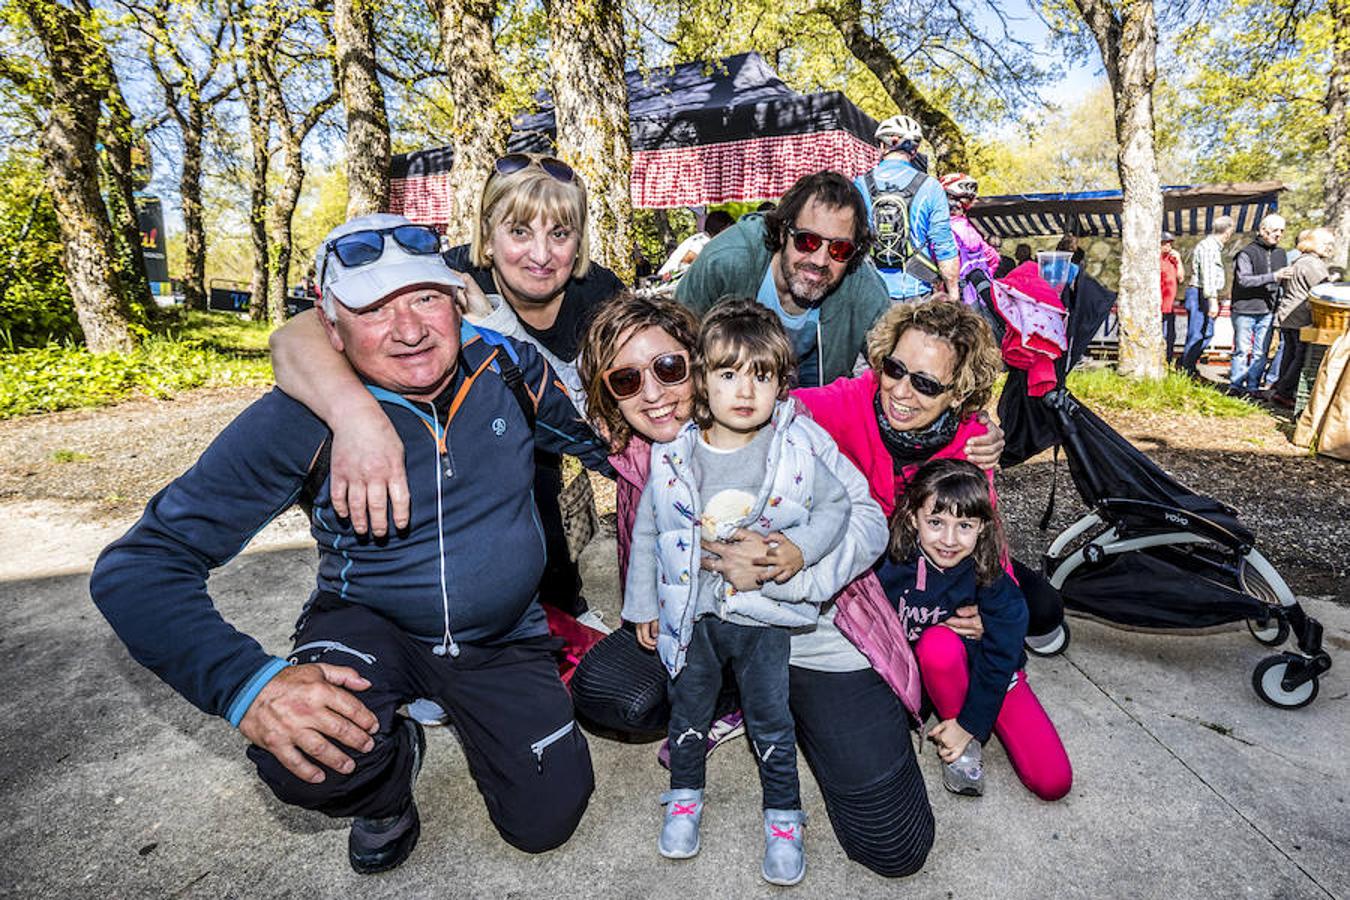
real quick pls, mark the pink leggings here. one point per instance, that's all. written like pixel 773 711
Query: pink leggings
pixel 1029 737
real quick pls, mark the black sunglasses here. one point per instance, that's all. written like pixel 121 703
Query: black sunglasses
pixel 840 249
pixel 668 368
pixel 361 248
pixel 552 166
pixel 924 384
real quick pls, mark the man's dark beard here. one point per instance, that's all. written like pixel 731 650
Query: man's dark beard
pixel 806 302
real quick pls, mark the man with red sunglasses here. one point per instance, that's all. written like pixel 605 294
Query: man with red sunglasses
pixel 807 261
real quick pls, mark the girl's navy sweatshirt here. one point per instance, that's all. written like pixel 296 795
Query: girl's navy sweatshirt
pixel 995 658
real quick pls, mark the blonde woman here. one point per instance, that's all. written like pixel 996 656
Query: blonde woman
pixel 1308 271
pixel 530 276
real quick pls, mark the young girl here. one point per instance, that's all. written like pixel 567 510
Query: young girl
pixel 947 550
pixel 746 461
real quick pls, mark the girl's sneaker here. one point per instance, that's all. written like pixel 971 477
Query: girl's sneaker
pixel 679 827
pixel 784 846
pixel 966 775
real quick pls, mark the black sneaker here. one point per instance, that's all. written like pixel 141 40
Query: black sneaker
pixel 378 845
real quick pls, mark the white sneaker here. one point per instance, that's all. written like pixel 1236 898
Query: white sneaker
pixel 966 775
pixel 680 823
pixel 591 618
pixel 427 712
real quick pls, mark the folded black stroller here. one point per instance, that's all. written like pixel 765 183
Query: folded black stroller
pixel 1151 553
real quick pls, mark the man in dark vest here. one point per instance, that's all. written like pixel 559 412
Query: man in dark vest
pixel 1259 269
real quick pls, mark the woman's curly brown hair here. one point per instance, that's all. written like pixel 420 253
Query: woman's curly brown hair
pixel 614 322
pixel 978 360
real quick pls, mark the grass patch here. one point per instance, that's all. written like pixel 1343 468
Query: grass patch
pixel 1176 393
pixel 185 350
pixel 69 456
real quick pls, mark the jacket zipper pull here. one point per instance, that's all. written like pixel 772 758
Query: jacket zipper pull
pixel 445 465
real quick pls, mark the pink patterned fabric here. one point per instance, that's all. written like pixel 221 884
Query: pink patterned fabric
pixel 754 169
pixel 1037 325
pixel 425 199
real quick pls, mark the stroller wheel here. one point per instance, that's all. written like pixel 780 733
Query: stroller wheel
pixel 1274 633
pixel 1268 678
pixel 1052 644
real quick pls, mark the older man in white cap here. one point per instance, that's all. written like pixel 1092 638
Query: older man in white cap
pixel 443 607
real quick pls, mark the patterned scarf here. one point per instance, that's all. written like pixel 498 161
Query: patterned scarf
pixel 910 447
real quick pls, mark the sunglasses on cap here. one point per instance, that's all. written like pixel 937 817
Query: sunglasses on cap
pixel 668 369
pixel 924 384
pixel 552 166
pixel 361 248
pixel 840 249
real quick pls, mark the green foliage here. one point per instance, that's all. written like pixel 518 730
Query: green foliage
pixel 1253 102
pixel 1175 393
pixel 35 305
pixel 187 350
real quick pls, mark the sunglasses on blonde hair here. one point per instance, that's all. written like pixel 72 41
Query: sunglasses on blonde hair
pixel 668 369
pixel 555 168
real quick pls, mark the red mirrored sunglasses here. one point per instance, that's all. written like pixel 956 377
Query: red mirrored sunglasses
pixel 668 369
pixel 839 249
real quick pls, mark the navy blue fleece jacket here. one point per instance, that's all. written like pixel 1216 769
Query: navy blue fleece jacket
pixel 151 583
pixel 924 602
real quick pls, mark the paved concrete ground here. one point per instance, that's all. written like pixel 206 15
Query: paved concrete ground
pixel 1186 784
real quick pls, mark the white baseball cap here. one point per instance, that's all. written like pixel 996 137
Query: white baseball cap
pixel 407 259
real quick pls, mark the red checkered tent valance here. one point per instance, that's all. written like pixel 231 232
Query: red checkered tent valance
pixel 754 169
pixel 701 132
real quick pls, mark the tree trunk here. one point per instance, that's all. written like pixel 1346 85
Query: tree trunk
pixel 661 221
pixel 479 127
pixel 190 190
pixel 259 138
pixel 118 136
pixel 69 151
pixel 1128 39
pixel 292 131
pixel 1337 190
pixel 949 144
pixel 363 99
pixel 590 97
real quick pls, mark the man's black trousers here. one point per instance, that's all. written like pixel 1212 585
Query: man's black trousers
pixel 512 713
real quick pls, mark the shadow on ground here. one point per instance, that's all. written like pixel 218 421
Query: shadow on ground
pixel 1186 785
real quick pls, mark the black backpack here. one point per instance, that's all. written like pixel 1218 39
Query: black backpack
pixel 893 247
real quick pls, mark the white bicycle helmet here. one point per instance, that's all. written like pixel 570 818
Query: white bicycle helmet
pixel 898 129
pixel 960 185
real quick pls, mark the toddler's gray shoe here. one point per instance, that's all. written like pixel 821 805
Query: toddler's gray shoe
pixel 679 826
pixel 784 846
pixel 966 775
